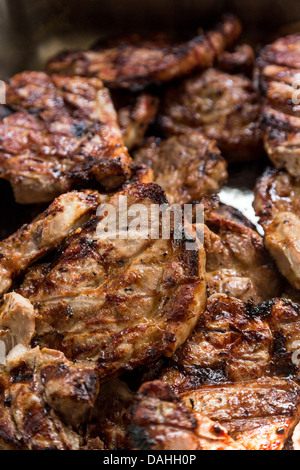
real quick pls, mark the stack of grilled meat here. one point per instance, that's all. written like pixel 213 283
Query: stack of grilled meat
pixel 139 342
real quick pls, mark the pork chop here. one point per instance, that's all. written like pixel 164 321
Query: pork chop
pixel 134 62
pixel 187 166
pixel 277 196
pixel 120 302
pixel 224 107
pixel 63 134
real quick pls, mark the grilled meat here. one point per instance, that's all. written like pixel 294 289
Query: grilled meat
pixel 260 415
pixel 224 107
pixel 241 60
pixel 134 63
pixel 277 204
pixel 186 166
pixel 39 388
pixel 109 418
pixel 237 263
pixel 115 301
pixel 278 69
pixel 228 369
pixel 160 421
pixel 135 118
pixel 63 134
pixel 45 233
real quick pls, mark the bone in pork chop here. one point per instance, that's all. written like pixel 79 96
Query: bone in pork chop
pixel 119 303
pixel 134 63
pixel 278 69
pixel 277 204
pixel 63 135
pixel 187 166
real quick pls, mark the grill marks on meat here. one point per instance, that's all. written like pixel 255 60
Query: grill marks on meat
pixel 187 166
pixel 278 70
pixel 45 233
pixel 39 388
pixel 277 196
pixel 160 421
pixel 135 63
pixel 227 370
pixel 224 107
pixel 260 415
pixel 63 134
pixel 237 264
pixel 119 302
pixel 241 60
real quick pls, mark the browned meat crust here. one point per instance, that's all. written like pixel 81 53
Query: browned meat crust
pixel 46 232
pixel 226 370
pixel 119 302
pixel 237 263
pixel 224 107
pixel 37 389
pixel 187 166
pixel 159 421
pixel 63 134
pixel 241 60
pixel 277 204
pixel 135 63
pixel 278 69
pixel 135 118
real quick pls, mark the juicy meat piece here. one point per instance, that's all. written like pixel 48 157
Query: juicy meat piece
pixel 237 263
pixel 135 63
pixel 160 421
pixel 241 60
pixel 187 166
pixel 224 107
pixel 260 415
pixel 109 418
pixel 233 214
pixel 121 301
pixel 17 320
pixel 45 233
pixel 63 134
pixel 277 204
pixel 135 118
pixel 228 344
pixel 278 69
pixel 37 389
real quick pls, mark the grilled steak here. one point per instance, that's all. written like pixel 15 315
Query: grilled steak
pixel 227 370
pixel 39 388
pixel 63 134
pixel 160 421
pixel 278 69
pixel 224 107
pixel 237 263
pixel 277 204
pixel 187 166
pixel 120 302
pixel 241 60
pixel 45 233
pixel 134 63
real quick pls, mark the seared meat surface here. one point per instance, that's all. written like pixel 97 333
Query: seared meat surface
pixel 224 107
pixel 160 421
pixel 187 166
pixel 278 69
pixel 237 263
pixel 120 302
pixel 277 204
pixel 63 134
pixel 40 391
pixel 241 60
pixel 45 233
pixel 134 63
pixel 135 117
